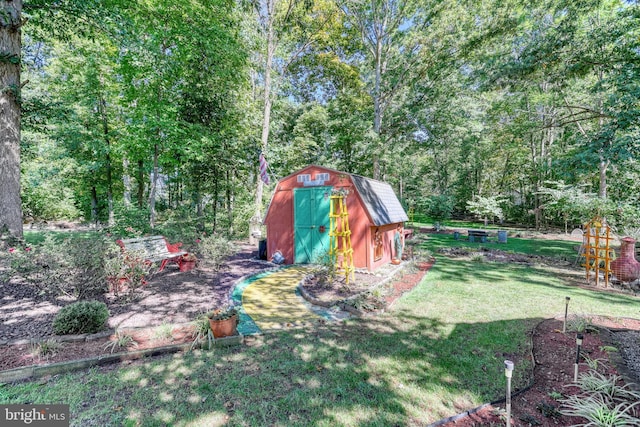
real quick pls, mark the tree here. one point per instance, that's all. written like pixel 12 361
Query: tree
pixel 486 208
pixel 55 17
pixel 278 20
pixel 10 86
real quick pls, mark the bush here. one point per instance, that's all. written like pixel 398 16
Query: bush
pixel 80 318
pixel 126 272
pixel 74 266
pixel 440 207
pixel 215 249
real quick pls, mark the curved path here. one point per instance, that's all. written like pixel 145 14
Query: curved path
pixel 272 302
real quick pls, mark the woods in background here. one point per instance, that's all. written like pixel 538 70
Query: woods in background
pixel 161 109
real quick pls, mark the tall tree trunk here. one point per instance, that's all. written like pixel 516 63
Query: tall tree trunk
pixel 153 187
pixel 94 205
pixel 377 108
pixel 10 45
pixel 216 193
pixel 254 225
pixel 140 179
pixel 603 166
pixel 229 202
pixel 126 182
pixel 107 141
pixel 199 206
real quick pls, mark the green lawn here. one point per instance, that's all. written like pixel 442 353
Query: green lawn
pixel 561 249
pixel 438 352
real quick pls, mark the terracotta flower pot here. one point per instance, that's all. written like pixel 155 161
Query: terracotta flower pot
pixel 187 265
pixel 225 327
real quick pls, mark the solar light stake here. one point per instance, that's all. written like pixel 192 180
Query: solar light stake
pixel 508 371
pixel 566 311
pixel 575 367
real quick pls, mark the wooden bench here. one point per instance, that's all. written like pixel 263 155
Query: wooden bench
pixel 480 235
pixel 154 249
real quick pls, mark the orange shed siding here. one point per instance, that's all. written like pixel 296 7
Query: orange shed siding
pixel 280 220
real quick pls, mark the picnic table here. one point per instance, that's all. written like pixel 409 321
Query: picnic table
pixel 477 235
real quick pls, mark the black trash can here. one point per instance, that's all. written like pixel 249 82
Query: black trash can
pixel 262 249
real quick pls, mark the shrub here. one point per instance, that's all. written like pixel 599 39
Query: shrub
pixel 215 249
pixel 74 266
pixel 440 207
pixel 121 340
pixel 126 273
pixel 81 317
pixel 46 348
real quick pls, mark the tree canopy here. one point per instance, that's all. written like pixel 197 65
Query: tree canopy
pixel 530 109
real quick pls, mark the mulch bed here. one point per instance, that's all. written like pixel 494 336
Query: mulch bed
pixel 25 353
pixel 406 278
pixel 170 296
pixel 554 354
pixel 19 355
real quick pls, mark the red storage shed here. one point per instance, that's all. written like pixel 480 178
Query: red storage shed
pixel 297 218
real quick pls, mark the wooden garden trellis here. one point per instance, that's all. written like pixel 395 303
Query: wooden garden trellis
pixel 340 249
pixel 597 250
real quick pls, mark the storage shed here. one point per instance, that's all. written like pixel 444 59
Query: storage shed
pixel 297 219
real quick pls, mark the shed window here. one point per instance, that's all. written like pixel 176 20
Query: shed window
pixel 304 177
pixel 322 177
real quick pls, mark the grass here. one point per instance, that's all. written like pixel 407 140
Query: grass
pixel 425 221
pixel 438 352
pixel 35 237
pixel 560 249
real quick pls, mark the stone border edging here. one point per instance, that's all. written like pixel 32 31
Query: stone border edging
pixel 37 371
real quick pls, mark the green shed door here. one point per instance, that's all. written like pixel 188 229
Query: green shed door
pixel 311 212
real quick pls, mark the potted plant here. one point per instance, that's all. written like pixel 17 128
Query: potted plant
pixel 187 262
pixel 223 321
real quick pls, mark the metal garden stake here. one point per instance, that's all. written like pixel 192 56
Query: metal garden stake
pixel 566 311
pixel 508 371
pixel 578 345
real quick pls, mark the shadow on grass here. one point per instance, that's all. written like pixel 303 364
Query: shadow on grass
pixel 400 370
pixel 530 280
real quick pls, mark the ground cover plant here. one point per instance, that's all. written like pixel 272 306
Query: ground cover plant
pixel 438 352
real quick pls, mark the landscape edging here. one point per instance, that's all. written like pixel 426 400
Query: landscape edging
pixel 37 371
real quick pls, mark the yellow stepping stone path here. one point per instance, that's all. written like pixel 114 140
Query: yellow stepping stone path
pixel 272 302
